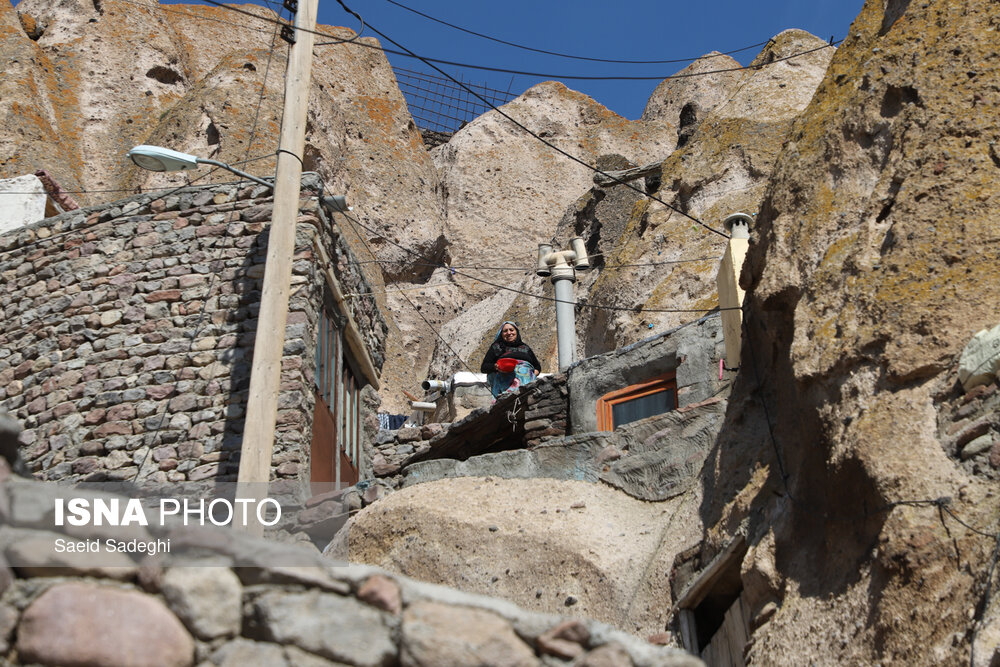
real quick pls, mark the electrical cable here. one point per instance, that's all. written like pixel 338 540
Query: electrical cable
pixel 139 191
pixel 542 139
pixel 263 87
pixel 526 129
pixel 357 34
pixel 529 269
pixel 154 7
pixel 194 336
pixel 427 61
pixel 160 194
pixel 767 415
pixel 371 252
pixel 578 304
pixel 244 12
pixel 567 55
pixel 572 77
pixel 984 607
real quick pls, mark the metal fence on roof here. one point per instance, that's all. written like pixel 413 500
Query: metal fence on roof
pixel 439 104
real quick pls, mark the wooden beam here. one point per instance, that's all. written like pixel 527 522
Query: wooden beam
pixel 265 372
pixel 626 175
pixel 354 339
pixel 689 636
pixel 696 591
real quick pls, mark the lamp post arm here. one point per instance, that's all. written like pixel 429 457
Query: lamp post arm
pixel 236 171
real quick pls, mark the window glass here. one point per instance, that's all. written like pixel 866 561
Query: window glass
pixel 638 401
pixel 639 408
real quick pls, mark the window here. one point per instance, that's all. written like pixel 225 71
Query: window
pixel 637 402
pixel 335 451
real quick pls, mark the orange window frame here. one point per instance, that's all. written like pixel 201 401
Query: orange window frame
pixel 605 404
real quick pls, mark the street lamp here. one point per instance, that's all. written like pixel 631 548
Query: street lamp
pixel 157 158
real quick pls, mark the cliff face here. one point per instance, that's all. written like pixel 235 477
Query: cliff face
pixel 871 266
pixel 95 79
pixel 652 264
pixel 36 106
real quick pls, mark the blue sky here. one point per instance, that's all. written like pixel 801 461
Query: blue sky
pixel 635 30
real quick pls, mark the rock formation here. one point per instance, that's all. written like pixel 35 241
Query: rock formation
pixel 648 259
pixel 868 273
pixel 541 543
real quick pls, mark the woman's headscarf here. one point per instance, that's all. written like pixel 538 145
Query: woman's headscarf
pixel 499 339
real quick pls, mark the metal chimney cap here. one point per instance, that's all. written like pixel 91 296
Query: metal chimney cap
pixel 738 225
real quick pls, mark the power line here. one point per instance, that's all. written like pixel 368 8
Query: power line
pixel 399 289
pixel 529 269
pixel 427 61
pixel 526 129
pixel 495 268
pixel 161 194
pixel 636 309
pixel 191 15
pixel 231 8
pixel 413 305
pixel 567 55
pixel 542 139
pixel 574 77
pixel 263 89
pixel 139 191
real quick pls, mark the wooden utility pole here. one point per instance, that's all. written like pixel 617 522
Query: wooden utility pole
pixel 265 373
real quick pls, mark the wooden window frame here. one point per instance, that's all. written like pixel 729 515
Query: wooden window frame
pixel 606 403
pixel 339 392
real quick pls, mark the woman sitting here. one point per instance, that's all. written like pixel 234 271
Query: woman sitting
pixel 509 363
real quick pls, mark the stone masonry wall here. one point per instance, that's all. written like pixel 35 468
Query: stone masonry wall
pixel 128 334
pixel 969 430
pixel 525 418
pixel 232 609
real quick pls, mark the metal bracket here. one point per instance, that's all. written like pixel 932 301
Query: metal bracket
pixel 288 34
pixel 292 5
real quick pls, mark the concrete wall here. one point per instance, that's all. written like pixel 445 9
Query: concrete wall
pixel 129 330
pixel 691 351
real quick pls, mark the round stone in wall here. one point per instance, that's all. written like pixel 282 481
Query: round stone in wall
pixel 79 625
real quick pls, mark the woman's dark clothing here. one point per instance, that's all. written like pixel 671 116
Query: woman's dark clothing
pixel 500 349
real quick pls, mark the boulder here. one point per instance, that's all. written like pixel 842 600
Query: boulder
pixel 535 542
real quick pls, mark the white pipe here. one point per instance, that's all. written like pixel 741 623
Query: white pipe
pixel 423 407
pixel 436 385
pixel 565 321
pixel 467 379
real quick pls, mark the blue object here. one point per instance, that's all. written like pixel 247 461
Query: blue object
pixel 500 383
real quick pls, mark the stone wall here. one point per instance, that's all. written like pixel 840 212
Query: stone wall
pixel 227 610
pixel 692 352
pixel 520 419
pixel 969 430
pixel 554 406
pixel 129 331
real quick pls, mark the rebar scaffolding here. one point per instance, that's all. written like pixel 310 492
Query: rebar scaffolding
pixel 439 104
